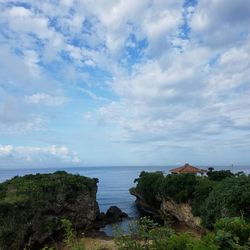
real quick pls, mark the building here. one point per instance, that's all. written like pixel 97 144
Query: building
pixel 187 169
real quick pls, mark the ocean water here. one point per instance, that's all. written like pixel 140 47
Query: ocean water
pixel 113 186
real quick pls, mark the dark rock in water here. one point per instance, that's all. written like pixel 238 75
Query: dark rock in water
pixel 32 206
pixel 114 211
pixel 124 215
pixel 114 214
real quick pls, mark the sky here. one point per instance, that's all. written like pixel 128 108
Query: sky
pixel 124 82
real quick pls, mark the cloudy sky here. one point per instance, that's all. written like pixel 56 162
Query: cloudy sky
pixel 124 82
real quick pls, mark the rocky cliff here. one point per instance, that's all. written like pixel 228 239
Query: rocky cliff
pixel 182 212
pixel 31 208
pixel 166 208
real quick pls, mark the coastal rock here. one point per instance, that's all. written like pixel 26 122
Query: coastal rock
pixel 181 212
pixel 32 207
pixel 142 204
pixel 114 214
pixel 100 221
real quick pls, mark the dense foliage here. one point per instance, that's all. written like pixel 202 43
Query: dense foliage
pixel 178 187
pixel 202 190
pixel 219 175
pixel 229 198
pixel 32 205
pixel 221 194
pixel 230 234
pixel 70 238
pixel 148 184
pixel 237 227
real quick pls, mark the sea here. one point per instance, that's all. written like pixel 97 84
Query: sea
pixel 113 187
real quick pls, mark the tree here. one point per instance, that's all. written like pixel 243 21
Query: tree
pixel 219 175
pixel 229 198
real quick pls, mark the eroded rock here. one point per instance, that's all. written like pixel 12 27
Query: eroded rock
pixel 32 208
pixel 179 211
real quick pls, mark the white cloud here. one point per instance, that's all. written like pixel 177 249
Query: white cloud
pixel 23 20
pixel 38 155
pixel 164 83
pixel 23 127
pixel 211 17
pixel 16 117
pixel 87 116
pixel 45 99
pixel 93 95
pixel 184 97
pixel 5 150
pixel 31 59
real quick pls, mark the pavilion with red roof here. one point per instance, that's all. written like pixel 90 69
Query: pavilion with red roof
pixel 187 169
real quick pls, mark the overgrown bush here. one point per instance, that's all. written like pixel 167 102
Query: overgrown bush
pixel 222 194
pixel 146 235
pixel 202 189
pixel 70 239
pixel 237 227
pixel 229 198
pixel 179 187
pixel 219 175
pixel 142 234
pixel 30 206
pixel 149 185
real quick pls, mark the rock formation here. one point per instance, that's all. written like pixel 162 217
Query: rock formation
pixel 168 208
pixel 31 208
pixel 114 214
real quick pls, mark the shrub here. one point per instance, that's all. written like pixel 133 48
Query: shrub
pixel 142 234
pixel 230 234
pixel 222 194
pixel 29 206
pixel 202 189
pixel 149 186
pixel 236 226
pixel 179 187
pixel 179 242
pixel 219 175
pixel 229 198
pixel 69 236
pixel 206 243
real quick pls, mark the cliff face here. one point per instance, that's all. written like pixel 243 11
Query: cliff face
pixel 31 208
pixel 181 212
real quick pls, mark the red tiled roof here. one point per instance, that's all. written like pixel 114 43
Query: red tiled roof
pixel 186 169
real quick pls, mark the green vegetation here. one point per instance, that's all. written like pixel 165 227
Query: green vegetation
pixel 144 234
pixel 36 210
pixel 179 187
pixel 32 206
pixel 229 198
pixel 148 185
pixel 70 239
pixel 221 194
pixel 219 175
pixel 236 227
pixel 202 190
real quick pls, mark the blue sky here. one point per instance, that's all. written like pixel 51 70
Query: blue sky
pixel 148 82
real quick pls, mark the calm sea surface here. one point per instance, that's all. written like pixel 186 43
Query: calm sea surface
pixel 113 186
